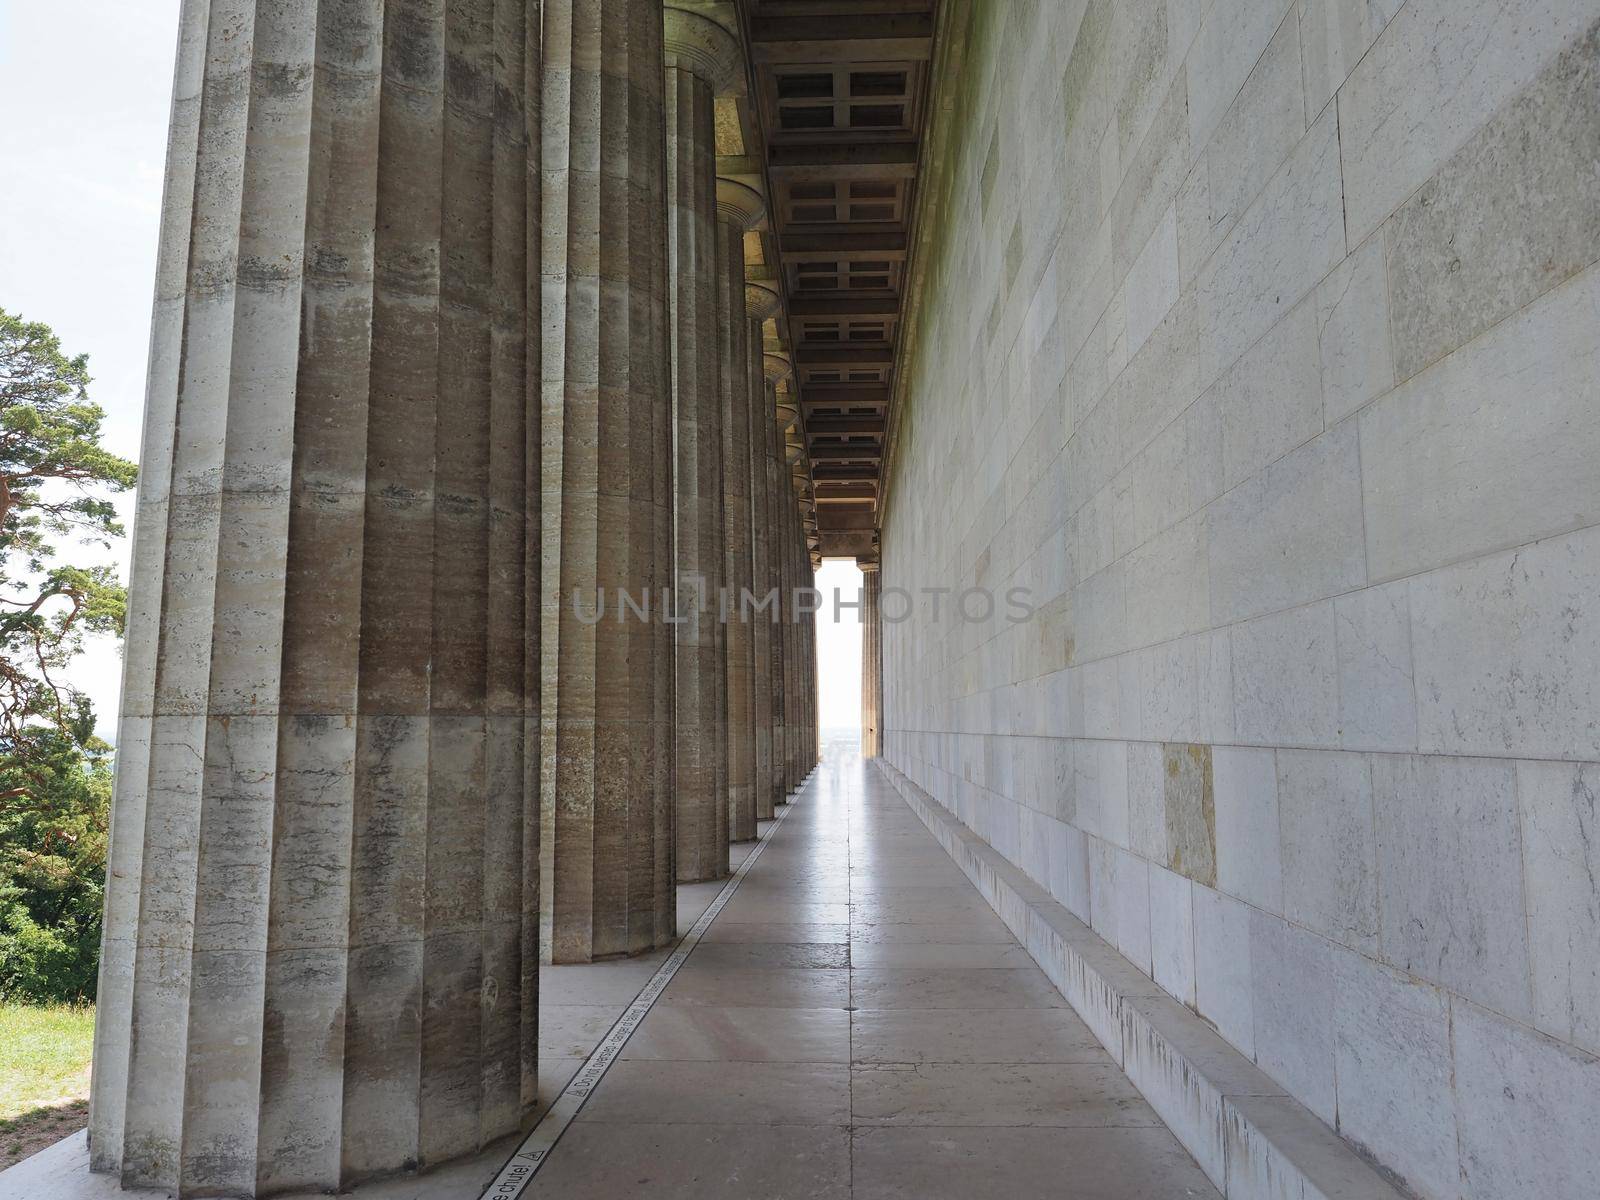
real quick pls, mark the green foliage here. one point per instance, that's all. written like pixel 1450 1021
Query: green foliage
pixel 52 870
pixel 55 781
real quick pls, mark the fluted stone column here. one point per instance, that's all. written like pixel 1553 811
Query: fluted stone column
pixel 776 369
pixel 808 635
pixel 871 662
pixel 761 303
pixel 702 62
pixel 320 955
pixel 791 581
pixel 607 831
pixel 800 567
pixel 739 207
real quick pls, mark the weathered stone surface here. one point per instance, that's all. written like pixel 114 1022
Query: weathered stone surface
pixel 1377 688
pixel 1515 406
pixel 1291 236
pixel 1450 876
pixel 1263 124
pixel 1370 601
pixel 1172 933
pixel 1285 678
pixel 1291 534
pixel 1330 867
pixel 701 706
pixel 1523 1105
pixel 325 810
pixel 1191 813
pixel 607 835
pixel 1291 1006
pixel 761 570
pixel 1560 862
pixel 1271 399
pixel 1507 661
pixel 1353 332
pixel 1222 969
pixel 1438 72
pixel 1510 215
pixel 1393 1060
pixel 1334 35
pixel 1249 852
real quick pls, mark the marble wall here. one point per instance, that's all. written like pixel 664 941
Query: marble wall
pixel 1262 335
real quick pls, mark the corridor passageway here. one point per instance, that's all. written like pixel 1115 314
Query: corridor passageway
pixel 1202 392
pixel 858 1023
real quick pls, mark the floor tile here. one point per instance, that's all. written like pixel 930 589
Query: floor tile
pixel 702 1162
pixel 966 955
pixel 1054 1094
pixel 744 1034
pixel 1019 1164
pixel 778 931
pixel 1040 1035
pixel 780 908
pixel 943 987
pixel 573 1030
pixel 807 955
pixel 764 987
pixel 721 1093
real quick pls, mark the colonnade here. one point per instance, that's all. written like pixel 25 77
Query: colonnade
pixel 460 438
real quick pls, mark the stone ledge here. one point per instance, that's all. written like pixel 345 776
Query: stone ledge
pixel 1252 1139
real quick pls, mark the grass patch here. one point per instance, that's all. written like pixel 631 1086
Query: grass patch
pixel 44 1056
pixel 44 1075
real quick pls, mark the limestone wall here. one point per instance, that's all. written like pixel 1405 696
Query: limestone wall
pixel 1260 341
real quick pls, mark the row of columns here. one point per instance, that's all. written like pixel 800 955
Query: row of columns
pixel 452 349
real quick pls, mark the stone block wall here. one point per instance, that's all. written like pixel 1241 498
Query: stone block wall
pixel 1264 339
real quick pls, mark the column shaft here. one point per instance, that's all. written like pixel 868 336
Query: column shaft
pixel 737 502
pixel 700 56
pixel 871 660
pixel 760 551
pixel 797 645
pixel 322 857
pixel 607 831
pixel 778 575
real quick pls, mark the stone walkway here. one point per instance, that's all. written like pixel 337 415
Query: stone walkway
pixel 856 1023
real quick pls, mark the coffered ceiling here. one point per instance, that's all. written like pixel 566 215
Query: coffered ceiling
pixel 839 89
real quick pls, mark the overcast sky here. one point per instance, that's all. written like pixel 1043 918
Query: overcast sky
pixel 85 87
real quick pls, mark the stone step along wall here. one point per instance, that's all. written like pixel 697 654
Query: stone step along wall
pixel 1264 336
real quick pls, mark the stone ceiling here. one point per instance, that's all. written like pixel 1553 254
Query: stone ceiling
pixel 833 124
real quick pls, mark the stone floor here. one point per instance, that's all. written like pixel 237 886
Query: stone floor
pixel 856 1023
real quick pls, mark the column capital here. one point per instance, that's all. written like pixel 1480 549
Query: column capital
pixel 775 366
pixel 706 49
pixel 760 302
pixel 739 203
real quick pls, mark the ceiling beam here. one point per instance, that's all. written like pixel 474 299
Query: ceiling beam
pixel 821 454
pixel 828 247
pixel 843 426
pixel 843 37
pixel 873 394
pixel 854 356
pixel 827 474
pixel 844 306
pixel 819 8
pixel 840 160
